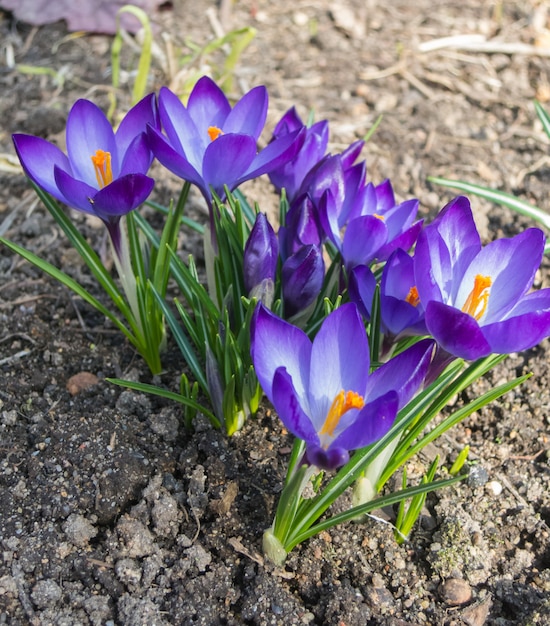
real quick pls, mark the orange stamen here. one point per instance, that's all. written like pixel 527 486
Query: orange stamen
pixel 341 404
pixel 214 132
pixel 102 166
pixel 476 302
pixel 413 297
pixel 379 217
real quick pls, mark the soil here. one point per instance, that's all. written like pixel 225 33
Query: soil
pixel 110 512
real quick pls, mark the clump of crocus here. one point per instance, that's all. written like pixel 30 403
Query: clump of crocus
pixel 212 145
pixel 477 300
pixel 322 389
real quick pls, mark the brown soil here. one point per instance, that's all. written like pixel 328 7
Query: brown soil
pixel 110 513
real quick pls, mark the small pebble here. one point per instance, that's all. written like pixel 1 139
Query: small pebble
pixel 80 382
pixel 477 477
pixel 455 591
pixel 494 487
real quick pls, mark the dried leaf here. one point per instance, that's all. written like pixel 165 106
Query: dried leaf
pixel 98 16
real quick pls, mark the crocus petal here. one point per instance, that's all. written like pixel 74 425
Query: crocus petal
pixel 403 373
pixel 302 278
pixel 385 198
pixel 39 159
pixel 77 194
pixel 511 264
pixel 137 159
pixel 208 105
pixel 249 114
pixel 362 285
pixel 458 333
pixel 372 422
pixel 135 122
pixel 404 241
pixel 274 155
pixel 261 254
pixel 328 460
pixel 363 238
pixel 173 160
pixel 528 324
pixel 88 130
pixel 122 195
pixel 276 343
pixel 183 134
pixel 339 361
pixel 226 159
pixel 287 404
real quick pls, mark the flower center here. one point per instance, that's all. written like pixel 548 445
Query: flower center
pixel 413 297
pixel 214 132
pixel 343 402
pixel 476 302
pixel 102 166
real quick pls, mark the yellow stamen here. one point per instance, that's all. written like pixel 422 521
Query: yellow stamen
pixel 341 404
pixel 379 217
pixel 413 297
pixel 214 132
pixel 102 166
pixel 476 302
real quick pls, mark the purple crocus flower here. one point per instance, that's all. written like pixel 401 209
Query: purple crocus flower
pixel 260 258
pixel 401 312
pixel 291 175
pixel 302 278
pixel 476 298
pixel 210 144
pixel 365 223
pixel 104 172
pixel 322 390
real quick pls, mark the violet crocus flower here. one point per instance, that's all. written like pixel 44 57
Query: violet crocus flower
pixel 322 390
pixel 210 144
pixel 260 258
pixel 401 312
pixel 104 172
pixel 291 175
pixel 365 223
pixel 477 299
pixel 302 278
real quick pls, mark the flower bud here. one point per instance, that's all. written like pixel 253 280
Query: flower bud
pixel 302 277
pixel 260 260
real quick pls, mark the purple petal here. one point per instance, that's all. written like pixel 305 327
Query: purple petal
pixel 77 194
pixel 225 160
pixel 135 122
pixel 511 264
pixel 363 238
pixel 275 154
pixel 276 343
pixel 362 285
pixel 302 279
pixel 339 361
pixel 122 195
pixel 88 130
pixel 249 114
pixel 183 134
pixel 39 158
pixel 403 373
pixel 404 241
pixel 372 422
pixel 328 460
pixel 351 153
pixel 261 254
pixel 528 324
pixel 456 332
pixel 287 404
pixel 208 105
pixel 385 199
pixel 173 160
pixel 138 157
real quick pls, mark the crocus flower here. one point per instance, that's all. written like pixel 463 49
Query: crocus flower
pixel 322 390
pixel 476 298
pixel 210 144
pixel 365 223
pixel 401 312
pixel 104 172
pixel 261 254
pixel 291 175
pixel 302 278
